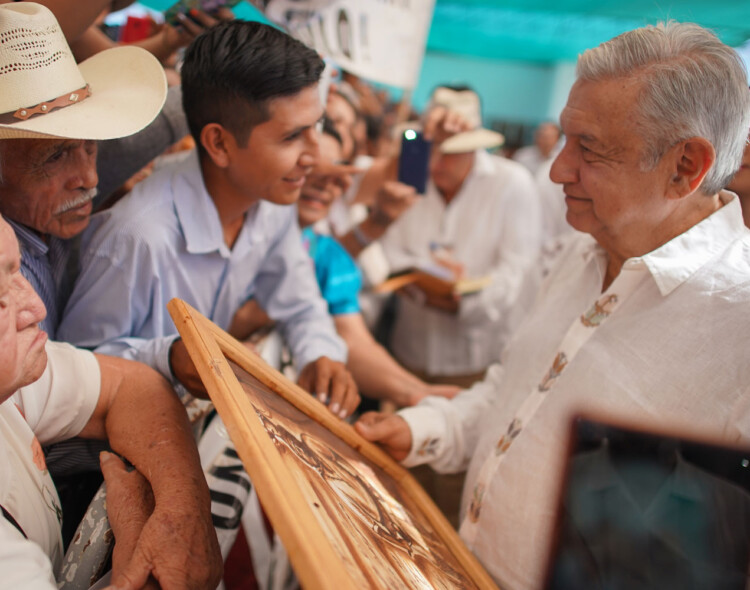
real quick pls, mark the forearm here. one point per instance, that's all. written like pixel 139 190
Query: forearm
pixel 363 234
pixel 376 372
pixel 161 45
pixel 147 424
pixel 445 432
pixel 90 42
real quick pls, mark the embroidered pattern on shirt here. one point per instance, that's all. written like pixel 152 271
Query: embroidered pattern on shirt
pixel 428 447
pixel 598 312
pixel 504 443
pixel 558 366
pixel 476 503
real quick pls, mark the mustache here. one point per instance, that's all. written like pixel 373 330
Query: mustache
pixel 82 199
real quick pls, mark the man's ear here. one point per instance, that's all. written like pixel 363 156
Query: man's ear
pixel 218 143
pixel 692 159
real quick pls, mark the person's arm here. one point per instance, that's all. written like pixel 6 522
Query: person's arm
pixel 376 372
pixel 161 45
pixel 76 16
pixel 144 422
pixel 391 201
pixel 286 288
pixel 112 299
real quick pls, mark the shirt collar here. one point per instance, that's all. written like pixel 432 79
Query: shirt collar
pixel 196 210
pixel 676 261
pixel 199 218
pixel 29 241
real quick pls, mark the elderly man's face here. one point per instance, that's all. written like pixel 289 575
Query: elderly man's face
pixel 608 193
pixel 22 354
pixel 448 171
pixel 48 184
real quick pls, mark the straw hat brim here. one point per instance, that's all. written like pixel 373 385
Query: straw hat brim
pixel 469 141
pixel 128 89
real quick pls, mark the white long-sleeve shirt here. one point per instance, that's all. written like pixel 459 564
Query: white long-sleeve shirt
pixel 675 351
pixel 493 227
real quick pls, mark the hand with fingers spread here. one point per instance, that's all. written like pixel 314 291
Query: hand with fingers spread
pixel 390 431
pixel 332 384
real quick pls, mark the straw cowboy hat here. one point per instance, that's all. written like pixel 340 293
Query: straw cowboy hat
pixel 44 93
pixel 465 102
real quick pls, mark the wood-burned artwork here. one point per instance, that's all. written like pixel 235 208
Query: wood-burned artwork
pixel 349 516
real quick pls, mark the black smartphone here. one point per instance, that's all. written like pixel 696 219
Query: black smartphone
pixel 414 161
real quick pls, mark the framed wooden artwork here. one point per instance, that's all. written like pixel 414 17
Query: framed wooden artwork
pixel 348 515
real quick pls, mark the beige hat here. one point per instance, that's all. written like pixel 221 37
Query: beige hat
pixel 44 93
pixel 465 102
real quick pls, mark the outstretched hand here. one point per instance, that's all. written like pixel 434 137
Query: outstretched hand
pixel 390 431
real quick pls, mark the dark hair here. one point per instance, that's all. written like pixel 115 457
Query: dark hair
pixel 232 71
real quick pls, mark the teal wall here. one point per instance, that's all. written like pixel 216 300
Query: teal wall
pixel 511 91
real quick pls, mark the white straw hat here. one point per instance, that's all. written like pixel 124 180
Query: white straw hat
pixel 44 93
pixel 465 102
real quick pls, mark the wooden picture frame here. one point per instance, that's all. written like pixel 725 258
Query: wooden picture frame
pixel 349 516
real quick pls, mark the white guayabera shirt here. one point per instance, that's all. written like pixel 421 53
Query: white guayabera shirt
pixel 674 350
pixel 492 227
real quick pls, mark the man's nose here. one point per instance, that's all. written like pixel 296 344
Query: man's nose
pixel 563 169
pixel 29 306
pixel 84 174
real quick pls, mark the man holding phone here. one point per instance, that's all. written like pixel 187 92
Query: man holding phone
pixel 479 217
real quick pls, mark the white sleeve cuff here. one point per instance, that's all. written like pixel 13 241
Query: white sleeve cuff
pixel 428 429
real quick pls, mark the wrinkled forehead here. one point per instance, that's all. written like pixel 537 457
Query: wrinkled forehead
pixel 602 108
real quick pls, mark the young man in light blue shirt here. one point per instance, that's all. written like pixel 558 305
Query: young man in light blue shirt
pixel 215 228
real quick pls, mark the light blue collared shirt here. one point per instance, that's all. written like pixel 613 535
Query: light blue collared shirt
pixel 43 266
pixel 165 240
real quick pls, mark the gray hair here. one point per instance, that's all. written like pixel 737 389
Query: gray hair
pixel 694 86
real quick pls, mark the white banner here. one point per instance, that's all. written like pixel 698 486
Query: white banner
pixel 380 40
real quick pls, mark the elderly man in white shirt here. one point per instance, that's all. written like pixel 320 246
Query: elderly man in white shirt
pixel 52 391
pixel 480 217
pixel 645 315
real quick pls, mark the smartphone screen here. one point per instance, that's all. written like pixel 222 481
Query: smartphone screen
pixel 413 163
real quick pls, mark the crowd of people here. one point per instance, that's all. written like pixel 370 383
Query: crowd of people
pixel 613 254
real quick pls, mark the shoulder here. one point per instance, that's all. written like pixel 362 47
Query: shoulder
pixel 142 218
pixel 70 380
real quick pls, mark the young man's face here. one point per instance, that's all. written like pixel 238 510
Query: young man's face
pixel 280 152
